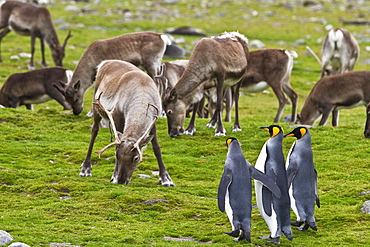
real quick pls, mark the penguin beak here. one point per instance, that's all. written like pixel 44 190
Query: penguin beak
pixel 290 134
pixel 265 128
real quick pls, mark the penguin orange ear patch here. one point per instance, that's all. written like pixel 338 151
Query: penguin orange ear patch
pixel 303 131
pixel 275 131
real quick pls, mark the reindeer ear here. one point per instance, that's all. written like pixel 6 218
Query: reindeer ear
pixel 146 140
pixel 60 86
pixel 173 94
pixel 77 85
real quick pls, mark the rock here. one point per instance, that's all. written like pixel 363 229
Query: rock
pixel 366 207
pixel 19 244
pixel 186 30
pixel 257 44
pixel 174 51
pixel 5 237
pixel 152 201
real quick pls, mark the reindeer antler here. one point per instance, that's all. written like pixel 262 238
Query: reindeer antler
pixel 162 70
pixel 136 145
pixel 110 117
pixel 314 54
pixel 69 35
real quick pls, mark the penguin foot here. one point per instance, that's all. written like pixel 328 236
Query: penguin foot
pixel 274 240
pixel 233 233
pixel 297 223
pixel 246 236
pixel 264 237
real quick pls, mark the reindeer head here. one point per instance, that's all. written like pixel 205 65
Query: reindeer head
pixel 128 156
pixel 176 111
pixel 58 52
pixel 73 94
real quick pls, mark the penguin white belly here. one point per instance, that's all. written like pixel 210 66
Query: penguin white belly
pixel 228 209
pixel 290 191
pixel 292 203
pixel 271 221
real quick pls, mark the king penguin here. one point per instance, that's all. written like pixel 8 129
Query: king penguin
pixel 302 179
pixel 274 210
pixel 235 190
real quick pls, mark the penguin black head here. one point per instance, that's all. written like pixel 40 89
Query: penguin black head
pixel 273 129
pixel 298 132
pixel 229 140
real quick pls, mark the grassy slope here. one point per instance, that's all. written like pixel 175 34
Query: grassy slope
pixel 42 150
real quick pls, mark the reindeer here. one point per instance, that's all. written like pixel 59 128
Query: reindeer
pixel 34 87
pixel 27 19
pixel 340 52
pixel 142 48
pixel 129 98
pixel 267 68
pixel 332 93
pixel 218 61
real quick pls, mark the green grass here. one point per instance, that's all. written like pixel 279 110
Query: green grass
pixel 43 201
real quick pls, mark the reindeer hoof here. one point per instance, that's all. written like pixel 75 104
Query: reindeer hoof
pixel 190 132
pixel 236 129
pixel 210 125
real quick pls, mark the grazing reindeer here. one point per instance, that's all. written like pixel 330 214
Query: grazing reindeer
pixel 219 61
pixel 142 48
pixel 332 93
pixel 129 98
pixel 34 87
pixel 30 20
pixel 340 50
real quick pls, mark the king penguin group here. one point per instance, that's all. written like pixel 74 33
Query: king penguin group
pixel 279 186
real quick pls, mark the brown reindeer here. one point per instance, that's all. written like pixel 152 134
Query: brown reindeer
pixel 332 93
pixel 141 49
pixel 129 98
pixel 31 20
pixel 34 87
pixel 220 61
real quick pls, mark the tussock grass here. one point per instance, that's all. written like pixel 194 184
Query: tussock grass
pixel 43 200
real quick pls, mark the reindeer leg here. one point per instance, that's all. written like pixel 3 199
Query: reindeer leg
pixel 86 166
pixel 190 130
pixel 42 46
pixel 228 96
pixel 4 32
pixel 325 115
pixel 31 65
pixel 164 177
pixel 236 96
pixel 282 100
pixel 220 130
pixel 335 117
pixel 293 97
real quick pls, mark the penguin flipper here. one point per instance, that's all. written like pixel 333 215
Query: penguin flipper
pixel 291 172
pixel 317 192
pixel 222 188
pixel 266 180
pixel 267 201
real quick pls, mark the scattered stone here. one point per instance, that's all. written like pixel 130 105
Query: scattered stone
pixel 65 198
pixel 366 207
pixel 186 239
pixel 174 51
pixel 144 176
pixel 256 44
pixel 63 245
pixel 186 30
pixel 365 193
pixel 19 244
pixel 5 237
pixel 153 201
